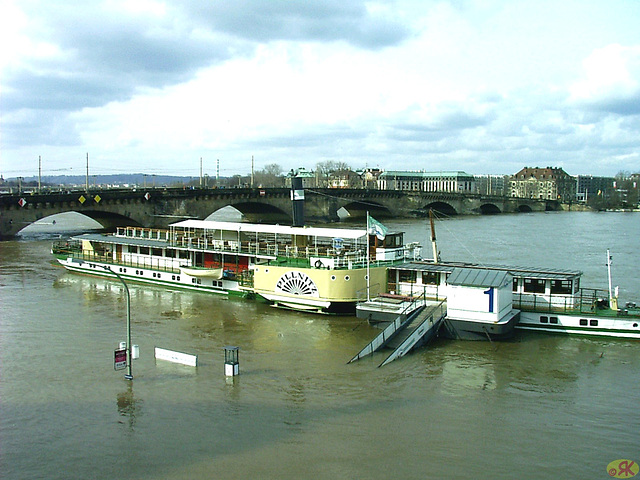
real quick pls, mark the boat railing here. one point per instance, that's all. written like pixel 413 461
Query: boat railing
pixel 281 252
pixel 431 291
pixel 245 278
pixel 108 258
pixel 373 290
pixel 144 233
pixel 66 247
pixel 585 301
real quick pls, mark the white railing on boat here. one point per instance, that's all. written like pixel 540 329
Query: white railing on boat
pixel 325 253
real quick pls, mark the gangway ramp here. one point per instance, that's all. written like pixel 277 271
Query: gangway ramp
pixel 404 335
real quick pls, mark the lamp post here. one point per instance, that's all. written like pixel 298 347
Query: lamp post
pixel 128 375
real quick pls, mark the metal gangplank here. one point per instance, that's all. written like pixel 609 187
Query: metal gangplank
pixel 404 335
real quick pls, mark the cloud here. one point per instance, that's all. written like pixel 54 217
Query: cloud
pixel 484 87
pixel 611 81
pixel 356 22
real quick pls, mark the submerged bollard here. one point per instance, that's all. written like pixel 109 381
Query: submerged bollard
pixel 231 364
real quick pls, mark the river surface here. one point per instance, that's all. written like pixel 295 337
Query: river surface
pixel 537 407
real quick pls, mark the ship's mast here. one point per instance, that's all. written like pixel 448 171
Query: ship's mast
pixel 613 298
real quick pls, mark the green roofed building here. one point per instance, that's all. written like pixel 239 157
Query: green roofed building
pixel 459 182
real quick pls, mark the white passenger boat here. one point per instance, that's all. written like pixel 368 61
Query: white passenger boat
pixel 308 268
pixel 549 300
pixel 480 304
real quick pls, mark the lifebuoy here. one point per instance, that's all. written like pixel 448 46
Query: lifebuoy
pixel 318 264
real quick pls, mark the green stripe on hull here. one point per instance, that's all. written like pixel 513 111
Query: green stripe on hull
pixel 160 283
pixel 613 332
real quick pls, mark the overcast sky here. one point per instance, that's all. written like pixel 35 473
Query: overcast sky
pixel 479 86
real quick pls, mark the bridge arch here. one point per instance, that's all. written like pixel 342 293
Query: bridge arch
pixel 76 220
pixel 552 206
pixel 489 209
pixel 110 220
pixel 441 208
pixel 257 212
pixel 524 209
pixel 358 210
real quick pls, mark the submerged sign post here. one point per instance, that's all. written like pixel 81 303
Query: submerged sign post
pixel 120 359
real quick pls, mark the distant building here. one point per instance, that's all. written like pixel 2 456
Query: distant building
pixel 344 179
pixel 544 183
pixel 369 177
pixel 458 182
pixel 308 178
pixel 589 186
pixel 491 184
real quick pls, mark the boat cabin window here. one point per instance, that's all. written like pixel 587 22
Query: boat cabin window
pixel 515 285
pixel 407 276
pixel 156 252
pixel 392 240
pixel 561 286
pixel 430 278
pixel 144 250
pixel 534 285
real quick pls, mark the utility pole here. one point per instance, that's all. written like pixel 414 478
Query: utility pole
pixel 200 172
pixel 252 164
pixel 217 172
pixel 87 176
pixel 39 172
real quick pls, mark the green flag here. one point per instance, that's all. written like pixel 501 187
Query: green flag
pixel 374 227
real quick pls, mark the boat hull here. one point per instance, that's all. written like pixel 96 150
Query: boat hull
pixel 465 329
pixel 314 289
pixel 151 276
pixel 581 324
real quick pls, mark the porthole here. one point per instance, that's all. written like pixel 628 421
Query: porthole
pixel 593 323
pixel 347 278
pixel 366 277
pixel 583 321
pixel 333 277
pixel 544 319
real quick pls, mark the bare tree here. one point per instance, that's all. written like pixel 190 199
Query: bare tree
pixel 269 176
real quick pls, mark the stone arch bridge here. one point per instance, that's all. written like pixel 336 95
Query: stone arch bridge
pixel 160 207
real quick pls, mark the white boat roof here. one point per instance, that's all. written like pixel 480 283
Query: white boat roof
pixel 529 272
pixel 477 277
pixel 273 229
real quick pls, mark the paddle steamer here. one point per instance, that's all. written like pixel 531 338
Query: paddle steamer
pixel 308 268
